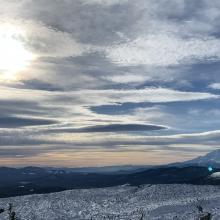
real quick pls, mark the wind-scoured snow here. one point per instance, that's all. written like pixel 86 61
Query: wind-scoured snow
pixel 123 202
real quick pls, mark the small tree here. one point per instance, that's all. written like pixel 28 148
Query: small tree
pixel 200 209
pixel 206 216
pixel 143 214
pixel 11 213
pixel 203 215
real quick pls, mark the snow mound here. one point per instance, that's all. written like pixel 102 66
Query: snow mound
pixel 215 175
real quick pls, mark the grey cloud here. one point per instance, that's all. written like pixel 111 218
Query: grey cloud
pixel 100 25
pixel 19 152
pixel 112 128
pixel 28 109
pixel 198 141
pixel 121 23
pixel 12 140
pixel 13 122
pixel 23 152
pixel 39 85
pixel 93 24
pixel 210 139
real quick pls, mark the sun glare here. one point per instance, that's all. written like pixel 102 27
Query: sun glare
pixel 13 55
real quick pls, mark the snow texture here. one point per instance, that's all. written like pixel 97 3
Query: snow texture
pixel 147 202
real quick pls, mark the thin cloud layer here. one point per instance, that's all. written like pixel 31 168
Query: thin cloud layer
pixel 13 122
pixel 112 128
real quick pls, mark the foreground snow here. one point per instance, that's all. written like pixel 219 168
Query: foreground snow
pixel 124 202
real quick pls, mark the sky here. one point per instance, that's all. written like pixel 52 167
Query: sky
pixel 108 82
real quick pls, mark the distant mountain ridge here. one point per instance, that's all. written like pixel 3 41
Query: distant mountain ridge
pixel 30 180
pixel 124 169
pixel 210 159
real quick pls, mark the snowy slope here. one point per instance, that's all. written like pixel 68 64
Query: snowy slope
pixel 124 202
pixel 210 159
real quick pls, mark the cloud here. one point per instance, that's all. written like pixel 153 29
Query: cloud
pixel 84 22
pixel 28 108
pixel 43 40
pixel 207 139
pixel 127 78
pixel 105 97
pixel 214 86
pixel 105 2
pixel 164 50
pixel 19 152
pixel 74 108
pixel 153 95
pixel 112 128
pixel 13 122
pixel 36 84
pixel 107 140
pixel 50 42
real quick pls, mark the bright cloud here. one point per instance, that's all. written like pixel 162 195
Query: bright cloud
pixel 214 86
pixel 164 50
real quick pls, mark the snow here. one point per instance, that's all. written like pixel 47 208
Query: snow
pixel 212 157
pixel 161 202
pixel 215 175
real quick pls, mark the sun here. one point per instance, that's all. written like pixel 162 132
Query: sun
pixel 14 57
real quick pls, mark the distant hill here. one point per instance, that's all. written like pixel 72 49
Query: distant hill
pixel 39 180
pixel 126 169
pixel 31 180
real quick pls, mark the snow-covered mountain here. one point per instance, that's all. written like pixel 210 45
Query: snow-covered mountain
pixel 210 159
pixel 148 202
